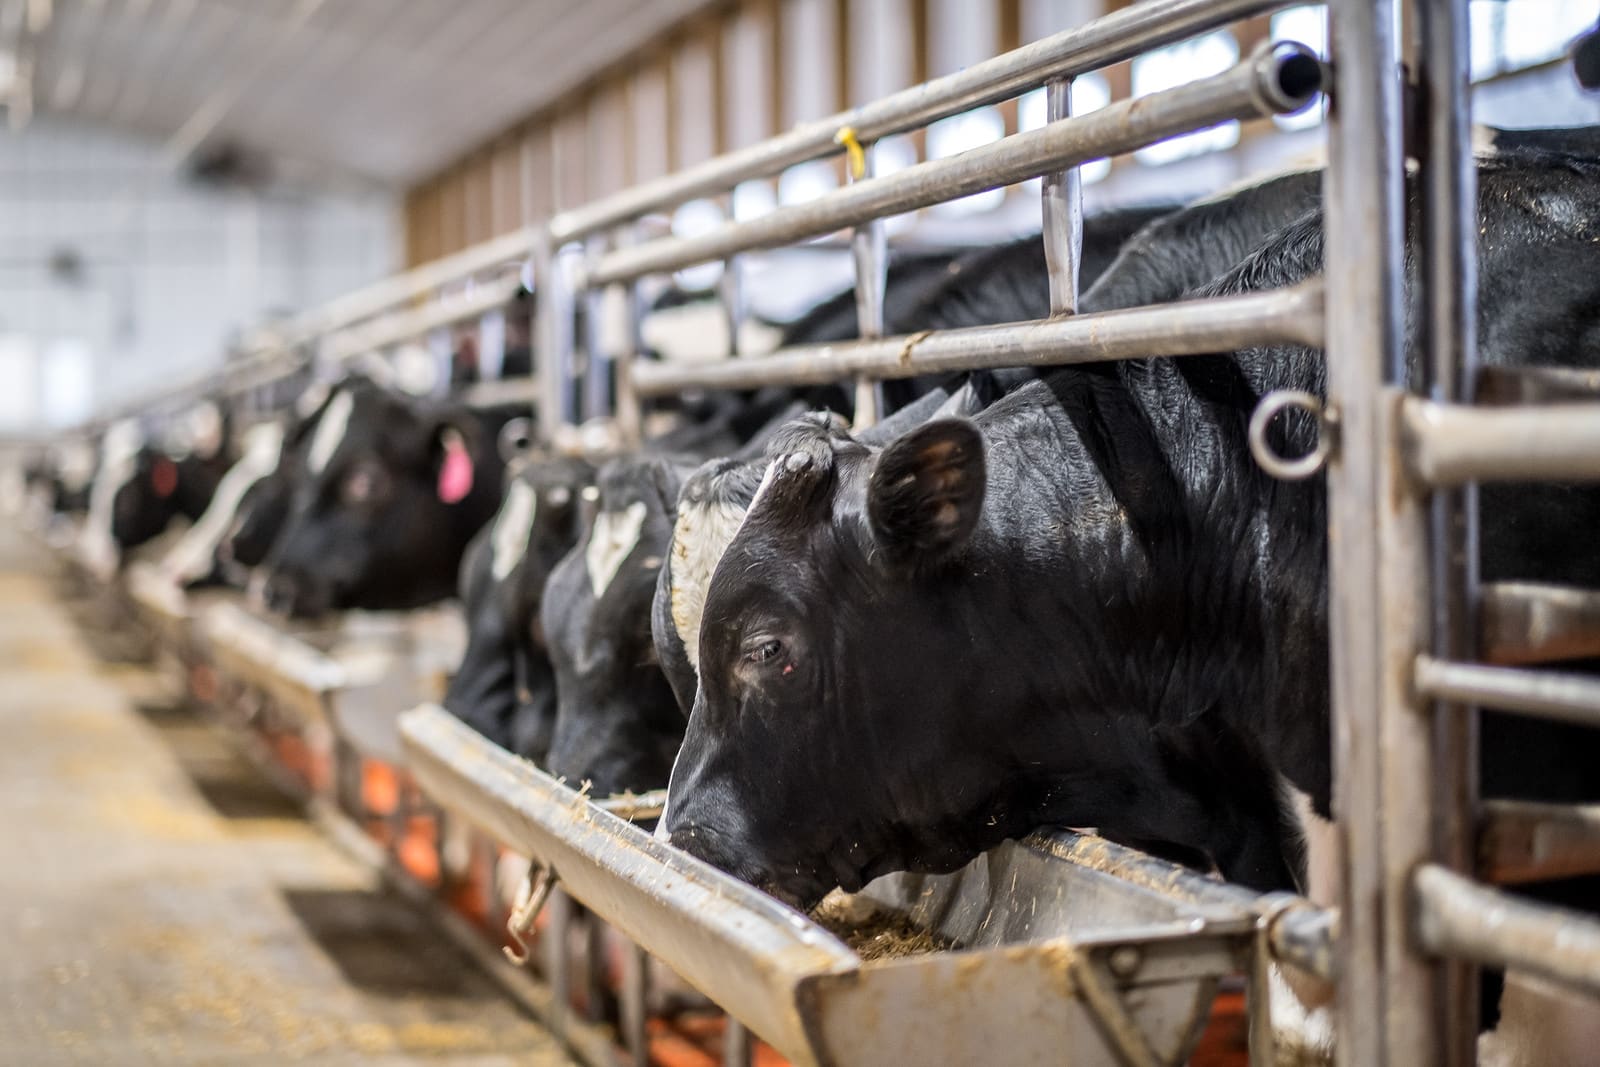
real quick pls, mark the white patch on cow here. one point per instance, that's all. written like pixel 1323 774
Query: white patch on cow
pixel 509 541
pixel 196 552
pixel 615 535
pixel 311 399
pixel 1540 1024
pixel 1320 839
pixel 1304 1036
pixel 203 430
pixel 119 454
pixel 330 431
pixel 700 536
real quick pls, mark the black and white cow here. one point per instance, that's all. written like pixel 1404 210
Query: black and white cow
pixel 142 486
pixel 1085 606
pixel 391 491
pixel 505 686
pixel 195 560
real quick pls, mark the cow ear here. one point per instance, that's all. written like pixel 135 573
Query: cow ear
pixel 164 477
pixel 926 492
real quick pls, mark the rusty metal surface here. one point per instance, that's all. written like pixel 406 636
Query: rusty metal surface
pixel 1536 385
pixel 1458 917
pixel 1292 315
pixel 1037 923
pixel 350 675
pixel 1573 698
pixel 1527 622
pixel 1524 841
pixel 1453 444
pixel 161 904
pixel 1279 77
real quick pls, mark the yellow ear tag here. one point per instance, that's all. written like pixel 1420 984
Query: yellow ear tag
pixel 852 147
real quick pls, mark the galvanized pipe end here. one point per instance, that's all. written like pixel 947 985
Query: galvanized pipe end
pixel 1288 76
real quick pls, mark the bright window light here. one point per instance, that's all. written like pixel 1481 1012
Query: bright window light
pixel 752 199
pixel 1509 35
pixel 806 181
pixel 1307 25
pixel 1090 92
pixel 960 133
pixel 1179 64
pixel 691 220
pixel 1537 31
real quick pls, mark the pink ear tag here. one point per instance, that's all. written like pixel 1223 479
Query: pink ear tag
pixel 455 473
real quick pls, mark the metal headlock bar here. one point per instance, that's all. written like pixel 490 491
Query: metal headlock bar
pixel 1408 621
pixel 1407 618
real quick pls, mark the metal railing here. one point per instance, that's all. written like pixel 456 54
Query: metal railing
pixel 1407 617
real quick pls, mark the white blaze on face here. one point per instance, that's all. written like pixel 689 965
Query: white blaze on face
pixel 330 431
pixel 509 540
pixel 615 535
pixel 700 536
pixel 119 454
pixel 194 555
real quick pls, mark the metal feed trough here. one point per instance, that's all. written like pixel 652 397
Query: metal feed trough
pixel 1070 949
pixel 350 677
pixel 1416 644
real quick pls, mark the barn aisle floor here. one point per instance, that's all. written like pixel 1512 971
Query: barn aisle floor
pixel 160 903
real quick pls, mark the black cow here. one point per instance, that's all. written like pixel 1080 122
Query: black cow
pixel 615 719
pixel 159 488
pixel 391 491
pixel 505 686
pixel 1085 606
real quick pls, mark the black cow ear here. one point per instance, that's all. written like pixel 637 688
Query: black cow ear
pixel 926 492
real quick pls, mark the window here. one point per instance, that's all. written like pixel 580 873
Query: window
pixel 1090 92
pixel 691 220
pixel 1509 35
pixel 960 133
pixel 1179 64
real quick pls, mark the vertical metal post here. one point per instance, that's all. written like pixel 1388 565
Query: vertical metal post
pixel 635 994
pixel 869 255
pixel 730 291
pixel 1376 559
pixel 1448 241
pixel 553 329
pixel 597 372
pixel 1062 209
pixel 558 960
pixel 630 416
pixel 738 1049
pixel 596 988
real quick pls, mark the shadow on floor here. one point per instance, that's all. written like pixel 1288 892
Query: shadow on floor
pixel 228 783
pixel 382 945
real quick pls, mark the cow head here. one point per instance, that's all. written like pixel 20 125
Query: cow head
pixel 617 724
pixel 505 687
pixel 818 748
pixel 390 494
pixel 157 489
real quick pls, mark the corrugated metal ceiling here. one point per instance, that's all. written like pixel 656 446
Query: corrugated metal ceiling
pixel 386 89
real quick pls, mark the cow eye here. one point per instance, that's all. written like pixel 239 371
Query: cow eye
pixel 765 650
pixel 360 486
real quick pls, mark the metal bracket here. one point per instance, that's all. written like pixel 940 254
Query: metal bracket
pixel 1302 467
pixel 531 896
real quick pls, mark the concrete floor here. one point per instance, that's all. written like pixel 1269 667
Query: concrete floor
pixel 161 904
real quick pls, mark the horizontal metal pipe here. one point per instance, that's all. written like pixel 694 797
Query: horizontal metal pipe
pixel 409 325
pixel 419 281
pixel 1305 937
pixel 1120 35
pixel 1197 327
pixel 1458 917
pixel 1526 841
pixel 1571 698
pixel 1453 444
pixel 1277 78
pixel 1529 622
